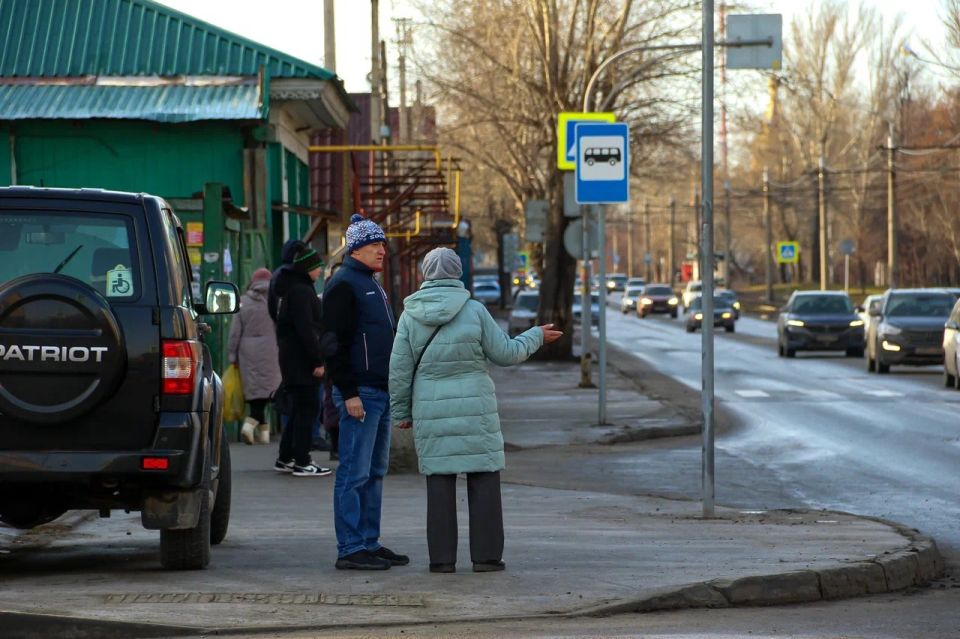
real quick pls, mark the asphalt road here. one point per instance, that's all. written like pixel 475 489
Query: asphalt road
pixel 828 433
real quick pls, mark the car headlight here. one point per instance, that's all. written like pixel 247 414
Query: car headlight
pixel 646 301
pixel 516 280
pixel 698 316
pixel 887 346
pixel 673 301
pixel 890 329
pixel 794 322
pixel 611 284
pixel 736 305
pixel 856 323
pixel 727 316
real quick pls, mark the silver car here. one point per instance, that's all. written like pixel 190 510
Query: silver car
pixel 524 313
pixel 487 292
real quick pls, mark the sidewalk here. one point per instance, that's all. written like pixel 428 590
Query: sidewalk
pixel 568 552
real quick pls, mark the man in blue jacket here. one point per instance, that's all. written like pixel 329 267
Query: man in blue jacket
pixel 356 310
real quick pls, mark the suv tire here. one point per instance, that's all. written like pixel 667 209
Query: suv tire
pixel 189 548
pixel 220 517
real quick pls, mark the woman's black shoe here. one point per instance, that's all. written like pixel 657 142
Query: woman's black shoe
pixel 443 568
pixel 489 566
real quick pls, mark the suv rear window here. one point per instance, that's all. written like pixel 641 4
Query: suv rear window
pixel 93 248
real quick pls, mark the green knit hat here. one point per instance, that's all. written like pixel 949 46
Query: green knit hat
pixel 308 260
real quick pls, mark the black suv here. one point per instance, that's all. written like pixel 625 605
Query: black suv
pixel 108 398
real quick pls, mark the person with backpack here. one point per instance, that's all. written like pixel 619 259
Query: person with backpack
pixel 440 386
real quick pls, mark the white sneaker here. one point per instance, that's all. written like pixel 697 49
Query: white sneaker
pixel 263 433
pixel 311 470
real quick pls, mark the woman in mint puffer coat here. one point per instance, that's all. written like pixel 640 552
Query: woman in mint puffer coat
pixel 451 402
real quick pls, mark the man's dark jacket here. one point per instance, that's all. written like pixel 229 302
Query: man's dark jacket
pixel 357 312
pixel 299 320
pixel 288 252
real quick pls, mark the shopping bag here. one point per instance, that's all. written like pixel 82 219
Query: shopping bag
pixel 233 401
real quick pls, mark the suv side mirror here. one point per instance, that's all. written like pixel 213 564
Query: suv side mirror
pixel 220 298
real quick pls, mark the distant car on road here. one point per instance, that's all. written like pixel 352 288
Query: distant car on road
pixel 863 312
pixel 722 314
pixel 731 297
pixel 616 281
pixel 692 290
pixel 594 308
pixel 908 328
pixel 629 300
pixel 819 321
pixel 951 348
pixel 657 298
pixel 524 313
pixel 635 281
pixel 487 292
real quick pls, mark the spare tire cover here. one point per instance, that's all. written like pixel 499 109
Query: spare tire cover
pixel 61 348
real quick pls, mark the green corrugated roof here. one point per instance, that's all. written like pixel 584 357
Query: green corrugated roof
pixel 177 103
pixel 63 38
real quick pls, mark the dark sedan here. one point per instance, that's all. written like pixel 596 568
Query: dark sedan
pixel 819 321
pixel 908 328
pixel 657 298
pixel 722 314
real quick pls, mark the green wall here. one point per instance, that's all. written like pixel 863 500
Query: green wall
pixel 171 160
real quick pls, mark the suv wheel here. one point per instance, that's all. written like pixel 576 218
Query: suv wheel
pixel 189 549
pixel 871 363
pixel 220 517
pixel 949 380
pixel 882 368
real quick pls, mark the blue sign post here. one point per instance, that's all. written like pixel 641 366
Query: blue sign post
pixel 603 163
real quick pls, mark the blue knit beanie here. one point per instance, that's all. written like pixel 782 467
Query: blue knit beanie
pixel 362 232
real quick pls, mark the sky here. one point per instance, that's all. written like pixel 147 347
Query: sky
pixel 296 26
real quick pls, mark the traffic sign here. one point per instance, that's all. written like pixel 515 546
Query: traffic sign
pixel 788 252
pixel 573 239
pixel 848 247
pixel 603 163
pixel 535 220
pixel 567 141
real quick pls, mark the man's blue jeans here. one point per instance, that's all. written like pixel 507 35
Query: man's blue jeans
pixel 364 456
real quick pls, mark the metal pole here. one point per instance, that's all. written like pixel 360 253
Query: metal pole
pixel 768 227
pixel 602 293
pixel 375 118
pixel 823 223
pixel 671 258
pixel 585 381
pixel 329 36
pixel 707 261
pixel 728 236
pixel 647 243
pixel 629 242
pixel 846 273
pixel 892 274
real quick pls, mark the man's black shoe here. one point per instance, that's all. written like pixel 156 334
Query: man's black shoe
pixel 489 566
pixel 392 557
pixel 443 568
pixel 362 560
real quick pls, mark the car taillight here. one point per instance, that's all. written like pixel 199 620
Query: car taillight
pixel 181 359
pixel 155 463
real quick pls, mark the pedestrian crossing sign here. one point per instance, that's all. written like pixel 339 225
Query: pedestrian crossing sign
pixel 566 138
pixel 788 252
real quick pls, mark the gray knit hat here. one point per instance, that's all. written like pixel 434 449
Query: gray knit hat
pixel 442 264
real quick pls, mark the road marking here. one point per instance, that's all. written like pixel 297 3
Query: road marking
pixel 883 393
pixel 822 394
pixel 752 393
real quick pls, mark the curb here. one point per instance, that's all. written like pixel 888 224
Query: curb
pixel 915 565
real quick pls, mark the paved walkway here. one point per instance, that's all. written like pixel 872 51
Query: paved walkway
pixel 569 552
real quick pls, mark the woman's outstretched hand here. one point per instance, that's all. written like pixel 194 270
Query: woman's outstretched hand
pixel 550 335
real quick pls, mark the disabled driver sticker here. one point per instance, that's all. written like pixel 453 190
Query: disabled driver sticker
pixel 119 282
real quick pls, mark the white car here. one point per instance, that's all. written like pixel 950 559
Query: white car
pixel 691 292
pixel 863 311
pixel 629 300
pixel 524 313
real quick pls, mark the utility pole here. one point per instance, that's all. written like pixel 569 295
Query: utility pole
pixel 768 249
pixel 375 118
pixel 404 42
pixel 671 264
pixel 329 37
pixel 821 179
pixel 647 243
pixel 728 237
pixel 893 276
pixel 696 233
pixel 629 242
